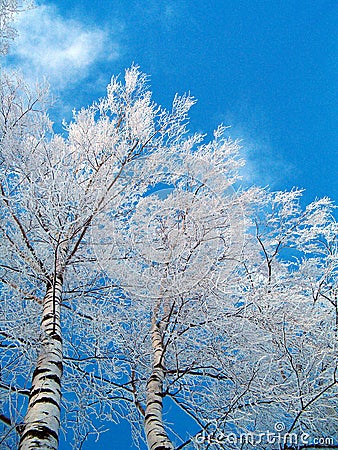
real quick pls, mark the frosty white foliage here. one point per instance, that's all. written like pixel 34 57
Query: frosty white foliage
pixel 179 292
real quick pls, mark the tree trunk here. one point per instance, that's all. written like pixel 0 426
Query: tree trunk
pixel 157 437
pixel 42 420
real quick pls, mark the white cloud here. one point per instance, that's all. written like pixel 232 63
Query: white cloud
pixel 63 50
pixel 264 166
pixel 262 148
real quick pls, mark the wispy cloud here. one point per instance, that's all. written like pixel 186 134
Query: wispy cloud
pixel 261 147
pixel 62 50
pixel 264 165
pixel 165 14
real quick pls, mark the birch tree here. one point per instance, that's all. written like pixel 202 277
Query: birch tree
pixel 176 291
pixel 53 189
pixel 133 270
pixel 239 338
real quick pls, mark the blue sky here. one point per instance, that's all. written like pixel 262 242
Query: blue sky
pixel 264 67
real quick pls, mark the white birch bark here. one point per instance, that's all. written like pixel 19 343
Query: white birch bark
pixel 42 420
pixel 157 438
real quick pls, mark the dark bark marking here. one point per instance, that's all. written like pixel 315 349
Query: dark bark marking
pixel 43 391
pixel 47 371
pixel 45 400
pixel 56 337
pixel 47 317
pixel 161 447
pixel 38 371
pixel 149 420
pixel 41 432
pixel 157 402
pixel 53 377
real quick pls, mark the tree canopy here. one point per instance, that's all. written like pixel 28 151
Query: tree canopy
pixel 140 281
